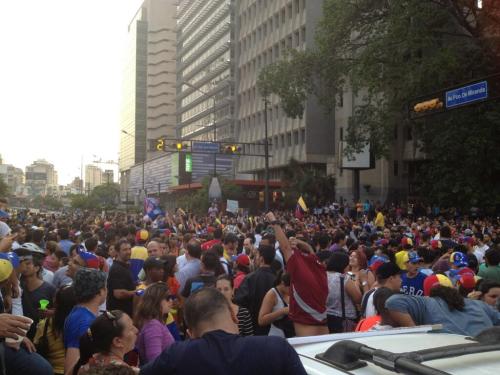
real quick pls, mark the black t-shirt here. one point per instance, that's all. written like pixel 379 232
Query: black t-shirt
pixel 31 303
pixel 120 277
pixel 198 282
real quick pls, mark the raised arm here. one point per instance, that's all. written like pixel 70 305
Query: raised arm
pixel 285 246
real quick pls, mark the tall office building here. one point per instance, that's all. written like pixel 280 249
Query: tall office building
pixel 266 30
pixel 93 177
pixel 41 178
pixel 148 104
pixel 205 73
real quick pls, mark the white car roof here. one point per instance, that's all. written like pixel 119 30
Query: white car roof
pixel 477 364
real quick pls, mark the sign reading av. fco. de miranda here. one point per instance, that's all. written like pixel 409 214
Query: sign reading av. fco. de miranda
pixel 467 94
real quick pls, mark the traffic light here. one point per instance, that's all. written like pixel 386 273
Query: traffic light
pixel 428 105
pixel 232 149
pixel 179 146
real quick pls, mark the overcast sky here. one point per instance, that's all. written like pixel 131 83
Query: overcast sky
pixel 60 81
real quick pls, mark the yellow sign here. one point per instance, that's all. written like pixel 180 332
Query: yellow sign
pixel 160 145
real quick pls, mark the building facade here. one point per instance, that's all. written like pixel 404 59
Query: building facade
pixel 13 177
pixel 266 30
pixel 205 69
pixel 93 177
pixel 41 178
pixel 148 103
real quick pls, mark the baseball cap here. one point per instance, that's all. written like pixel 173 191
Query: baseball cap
pixel 387 270
pixel 436 280
pixel 382 242
pixel 468 281
pixel 153 262
pixel 5 269
pixel 142 235
pixel 436 244
pixel 91 260
pixel 4 215
pixel 413 257
pixel 406 242
pixel 4 229
pixel 458 259
pixel 376 261
pixel 11 257
pixel 243 260
pixel 468 232
pixel 88 282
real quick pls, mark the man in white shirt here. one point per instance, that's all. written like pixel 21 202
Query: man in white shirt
pixel 389 276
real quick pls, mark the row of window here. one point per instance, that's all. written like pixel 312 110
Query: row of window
pixel 205 105
pixel 203 14
pixel 204 56
pixel 289 139
pixel 287 12
pixel 201 44
pixel 207 87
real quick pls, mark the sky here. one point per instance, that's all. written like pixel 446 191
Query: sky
pixel 60 81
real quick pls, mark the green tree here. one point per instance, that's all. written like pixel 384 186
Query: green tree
pixel 4 188
pixel 106 196
pixel 48 202
pixel 390 52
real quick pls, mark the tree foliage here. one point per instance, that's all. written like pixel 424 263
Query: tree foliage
pixel 389 52
pixel 102 197
pixel 4 188
pixel 48 202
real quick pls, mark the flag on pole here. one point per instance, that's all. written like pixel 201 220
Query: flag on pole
pixel 301 208
pixel 152 208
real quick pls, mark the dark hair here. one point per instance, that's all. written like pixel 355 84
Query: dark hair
pixel 323 240
pixel 338 236
pixel 380 296
pixel 52 247
pixel 267 252
pixel 218 233
pixel 230 238
pixel 492 257
pixel 472 262
pixel 217 248
pixel 37 236
pixel 225 277
pixel 428 255
pixel 269 237
pixel 65 300
pixel 204 305
pixel 194 249
pixel 63 233
pixel 99 337
pixel 282 277
pixel 252 238
pixel 338 262
pixel 120 243
pixel 150 304
pixel 485 285
pixel 169 264
pixel 449 295
pixel 91 244
pixel 210 261
pixel 445 232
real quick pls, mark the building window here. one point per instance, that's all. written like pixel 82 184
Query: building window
pixel 297 6
pixel 276 144
pixel 283 16
pixel 303 35
pixel 409 133
pixel 396 168
pixel 282 141
pixel 340 103
pixel 289 139
pixel 290 13
pixel 296 39
pixel 303 135
pixel 296 137
pixel 395 132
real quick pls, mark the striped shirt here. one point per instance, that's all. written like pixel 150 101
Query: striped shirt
pixel 245 324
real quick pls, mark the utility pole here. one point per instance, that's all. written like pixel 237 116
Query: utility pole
pixel 266 156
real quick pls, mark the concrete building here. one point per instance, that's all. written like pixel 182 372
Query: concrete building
pixel 108 176
pixel 77 185
pixel 266 29
pixel 12 176
pixel 41 178
pixel 205 72
pixel 93 177
pixel 148 104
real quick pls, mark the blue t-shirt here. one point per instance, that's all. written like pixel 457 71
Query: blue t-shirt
pixel 472 320
pixel 413 286
pixel 75 325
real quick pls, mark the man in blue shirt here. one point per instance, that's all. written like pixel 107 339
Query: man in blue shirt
pixel 412 282
pixel 216 348
pixel 90 291
pixel 64 242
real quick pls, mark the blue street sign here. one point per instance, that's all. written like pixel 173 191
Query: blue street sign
pixel 467 94
pixel 207 147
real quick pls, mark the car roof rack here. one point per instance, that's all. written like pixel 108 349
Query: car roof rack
pixel 350 355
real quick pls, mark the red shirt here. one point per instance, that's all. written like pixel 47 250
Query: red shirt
pixel 308 289
pixel 238 279
pixel 208 245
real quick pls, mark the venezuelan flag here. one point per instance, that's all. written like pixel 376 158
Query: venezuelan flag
pixel 301 208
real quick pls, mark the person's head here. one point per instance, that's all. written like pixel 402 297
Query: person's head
pixel 387 233
pixel 283 281
pixel 339 238
pixel 33 267
pixel 170 264
pixel 458 260
pixel 380 296
pixel 445 232
pixel 338 262
pixel 154 267
pixel 266 254
pixel 231 243
pixel 436 280
pixel 389 275
pixel 224 284
pixel 61 258
pixel 51 247
pixel 141 237
pixel 357 260
pixel 90 286
pixel 123 251
pixel 412 262
pixel 210 261
pixel 64 301
pixel 207 310
pixel 113 369
pixel 154 304
pixel 113 332
pixel 268 239
pixel 218 233
pixel 243 263
pixel 91 244
pixel 194 249
pixel 154 249
pixel 490 292
pixel 449 295
pixel 492 257
pixel 324 241
pixel 248 244
pixel 81 259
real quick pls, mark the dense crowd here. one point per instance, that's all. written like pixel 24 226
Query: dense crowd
pixel 179 293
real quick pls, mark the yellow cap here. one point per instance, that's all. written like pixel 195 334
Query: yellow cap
pixel 5 269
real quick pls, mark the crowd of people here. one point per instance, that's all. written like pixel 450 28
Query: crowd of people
pixel 122 294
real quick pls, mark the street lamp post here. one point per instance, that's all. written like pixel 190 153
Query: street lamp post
pixel 214 191
pixel 266 157
pixel 131 135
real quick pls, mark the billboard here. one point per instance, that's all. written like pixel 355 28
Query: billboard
pixel 357 160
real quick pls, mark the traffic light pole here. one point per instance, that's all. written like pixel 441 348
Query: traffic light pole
pixel 266 156
pixel 215 140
